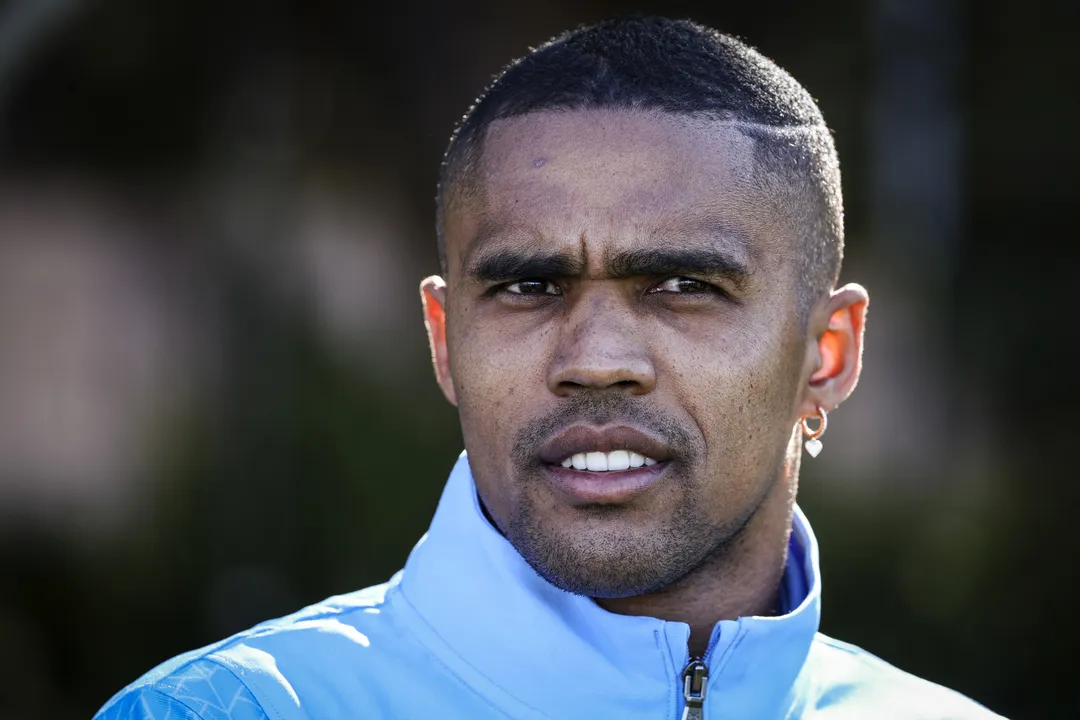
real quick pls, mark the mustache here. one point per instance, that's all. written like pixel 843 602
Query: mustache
pixel 605 408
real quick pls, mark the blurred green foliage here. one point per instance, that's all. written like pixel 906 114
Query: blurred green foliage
pixel 304 470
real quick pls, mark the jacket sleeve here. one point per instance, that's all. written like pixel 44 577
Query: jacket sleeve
pixel 199 690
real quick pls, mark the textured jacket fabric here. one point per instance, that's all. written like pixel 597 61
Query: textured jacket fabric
pixel 468 630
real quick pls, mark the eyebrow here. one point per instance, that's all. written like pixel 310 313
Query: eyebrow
pixel 510 264
pixel 709 262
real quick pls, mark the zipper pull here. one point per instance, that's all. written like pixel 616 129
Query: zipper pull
pixel 694 676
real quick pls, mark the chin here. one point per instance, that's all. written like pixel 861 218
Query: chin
pixel 608 564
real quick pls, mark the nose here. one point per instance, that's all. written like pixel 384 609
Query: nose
pixel 600 346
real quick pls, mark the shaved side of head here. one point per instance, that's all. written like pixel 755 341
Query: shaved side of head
pixel 682 68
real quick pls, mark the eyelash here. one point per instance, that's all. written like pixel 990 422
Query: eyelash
pixel 505 288
pixel 704 289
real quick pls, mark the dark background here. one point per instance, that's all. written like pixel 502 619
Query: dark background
pixel 215 399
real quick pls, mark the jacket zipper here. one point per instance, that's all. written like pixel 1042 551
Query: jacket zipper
pixel 694 676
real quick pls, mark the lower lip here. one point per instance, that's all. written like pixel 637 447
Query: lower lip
pixel 604 488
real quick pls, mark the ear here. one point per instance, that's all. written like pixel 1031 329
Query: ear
pixel 834 349
pixel 433 297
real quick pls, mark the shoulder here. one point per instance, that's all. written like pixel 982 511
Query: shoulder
pixel 199 689
pixel 847 679
pixel 258 673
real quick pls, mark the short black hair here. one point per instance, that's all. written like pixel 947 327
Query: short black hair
pixel 683 68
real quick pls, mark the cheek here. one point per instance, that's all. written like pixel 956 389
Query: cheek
pixel 498 376
pixel 738 385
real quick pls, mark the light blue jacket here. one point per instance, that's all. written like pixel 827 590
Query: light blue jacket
pixel 469 630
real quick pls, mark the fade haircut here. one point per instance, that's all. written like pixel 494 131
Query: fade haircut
pixel 683 68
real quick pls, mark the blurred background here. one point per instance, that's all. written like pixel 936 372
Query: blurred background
pixel 216 404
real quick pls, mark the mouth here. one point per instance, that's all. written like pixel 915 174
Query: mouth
pixel 615 461
pixel 605 466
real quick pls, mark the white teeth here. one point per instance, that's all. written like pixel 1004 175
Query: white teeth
pixel 596 461
pixel 613 461
pixel 618 460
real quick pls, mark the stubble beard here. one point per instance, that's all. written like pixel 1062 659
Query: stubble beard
pixel 606 561
pixel 604 555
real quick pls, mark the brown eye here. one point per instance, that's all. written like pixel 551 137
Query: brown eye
pixel 533 287
pixel 683 285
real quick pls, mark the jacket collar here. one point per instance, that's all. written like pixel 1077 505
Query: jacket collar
pixel 535 650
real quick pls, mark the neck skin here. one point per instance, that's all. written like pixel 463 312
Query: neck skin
pixel 741 579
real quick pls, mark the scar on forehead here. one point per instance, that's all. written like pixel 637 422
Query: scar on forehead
pixel 539 162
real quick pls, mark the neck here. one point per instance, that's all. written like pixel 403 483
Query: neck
pixel 740 579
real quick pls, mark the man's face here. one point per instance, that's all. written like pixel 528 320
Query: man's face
pixel 621 289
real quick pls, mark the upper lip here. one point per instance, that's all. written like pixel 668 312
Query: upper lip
pixel 586 438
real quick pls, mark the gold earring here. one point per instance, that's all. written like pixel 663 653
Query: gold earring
pixel 813 444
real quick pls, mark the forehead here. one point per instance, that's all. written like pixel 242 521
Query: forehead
pixel 608 179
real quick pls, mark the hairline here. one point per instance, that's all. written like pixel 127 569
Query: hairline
pixel 451 172
pixel 457 180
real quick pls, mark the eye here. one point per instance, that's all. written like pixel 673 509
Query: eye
pixel 532 286
pixel 682 285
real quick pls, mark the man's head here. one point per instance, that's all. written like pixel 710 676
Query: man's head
pixel 640 228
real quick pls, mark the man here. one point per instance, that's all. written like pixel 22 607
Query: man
pixel 640 229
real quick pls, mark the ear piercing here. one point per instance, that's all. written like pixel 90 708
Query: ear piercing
pixel 813 444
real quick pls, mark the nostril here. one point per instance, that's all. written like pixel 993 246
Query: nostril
pixel 572 386
pixel 628 377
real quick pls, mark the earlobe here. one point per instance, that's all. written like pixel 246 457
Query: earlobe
pixel 433 298
pixel 837 351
